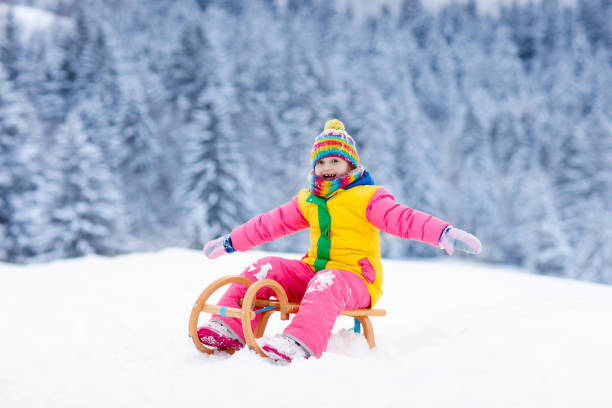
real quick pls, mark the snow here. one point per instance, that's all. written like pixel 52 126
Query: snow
pixel 111 332
pixel 321 282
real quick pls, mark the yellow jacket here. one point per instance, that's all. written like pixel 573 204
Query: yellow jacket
pixel 341 237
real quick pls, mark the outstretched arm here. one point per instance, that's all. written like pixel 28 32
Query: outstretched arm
pixel 386 214
pixel 274 224
pixel 390 216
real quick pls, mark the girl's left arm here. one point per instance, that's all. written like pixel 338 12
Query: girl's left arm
pixel 386 214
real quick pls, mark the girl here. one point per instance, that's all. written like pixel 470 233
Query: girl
pixel 342 270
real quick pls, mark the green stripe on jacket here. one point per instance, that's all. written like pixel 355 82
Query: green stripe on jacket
pixel 324 242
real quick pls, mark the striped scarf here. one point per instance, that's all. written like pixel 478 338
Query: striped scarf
pixel 326 187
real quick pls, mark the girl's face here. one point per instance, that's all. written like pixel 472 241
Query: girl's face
pixel 331 167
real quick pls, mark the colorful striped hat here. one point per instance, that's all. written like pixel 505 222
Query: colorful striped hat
pixel 334 142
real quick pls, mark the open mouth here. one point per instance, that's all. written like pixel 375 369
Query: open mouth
pixel 329 176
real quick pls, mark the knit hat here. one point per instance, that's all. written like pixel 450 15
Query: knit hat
pixel 334 142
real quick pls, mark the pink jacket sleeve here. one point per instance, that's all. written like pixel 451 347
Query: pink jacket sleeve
pixel 281 221
pixel 390 216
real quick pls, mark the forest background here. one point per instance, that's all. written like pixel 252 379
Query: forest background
pixel 142 124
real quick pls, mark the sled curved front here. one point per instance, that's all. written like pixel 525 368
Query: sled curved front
pixel 201 306
pixel 249 302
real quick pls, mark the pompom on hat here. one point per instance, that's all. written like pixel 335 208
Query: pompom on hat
pixel 334 142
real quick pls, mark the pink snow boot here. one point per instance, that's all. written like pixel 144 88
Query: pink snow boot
pixel 217 334
pixel 282 348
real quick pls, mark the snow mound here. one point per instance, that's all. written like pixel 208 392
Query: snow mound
pixel 111 332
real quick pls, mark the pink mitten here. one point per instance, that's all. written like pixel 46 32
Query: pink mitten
pixel 215 248
pixel 454 238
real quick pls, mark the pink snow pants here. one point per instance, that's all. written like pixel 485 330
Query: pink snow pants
pixel 322 297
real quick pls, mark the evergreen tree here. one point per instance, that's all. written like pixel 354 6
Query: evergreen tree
pixel 44 79
pixel 11 49
pixel 591 255
pixel 596 15
pixel 259 90
pixel 21 172
pixel 472 178
pixel 187 77
pixel 137 163
pixel 87 215
pixel 213 172
pixel 544 246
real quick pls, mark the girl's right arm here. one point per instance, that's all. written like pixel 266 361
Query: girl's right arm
pixel 283 220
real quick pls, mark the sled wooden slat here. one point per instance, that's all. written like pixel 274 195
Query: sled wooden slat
pixel 229 311
pixel 247 313
pixel 364 312
pixel 294 307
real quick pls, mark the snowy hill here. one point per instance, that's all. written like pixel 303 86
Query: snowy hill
pixel 101 332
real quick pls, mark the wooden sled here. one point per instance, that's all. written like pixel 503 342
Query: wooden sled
pixel 252 306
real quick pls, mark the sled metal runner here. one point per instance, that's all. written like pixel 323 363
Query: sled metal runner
pixel 251 307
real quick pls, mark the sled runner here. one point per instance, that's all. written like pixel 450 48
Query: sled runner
pixel 252 306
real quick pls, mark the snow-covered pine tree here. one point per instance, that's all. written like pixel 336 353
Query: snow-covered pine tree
pixel 138 157
pixel 254 78
pixel 88 214
pixel 595 16
pixel 544 246
pixel 13 172
pixel 187 76
pixel 213 172
pixel 575 170
pixel 43 77
pixel 472 180
pixel 21 174
pixel 11 48
pixel 591 255
pixel 72 77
